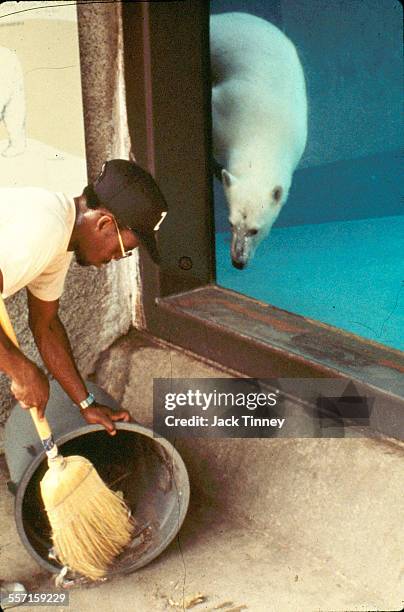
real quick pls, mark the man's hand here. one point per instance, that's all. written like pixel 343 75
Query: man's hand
pixel 30 387
pixel 102 415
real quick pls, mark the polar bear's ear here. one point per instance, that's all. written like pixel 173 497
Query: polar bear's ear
pixel 227 178
pixel 277 194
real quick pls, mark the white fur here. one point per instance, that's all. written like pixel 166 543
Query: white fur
pixel 12 101
pixel 259 113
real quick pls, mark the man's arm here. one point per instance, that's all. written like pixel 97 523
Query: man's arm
pixel 54 346
pixel 29 384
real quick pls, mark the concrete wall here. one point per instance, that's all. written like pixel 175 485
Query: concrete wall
pixel 97 305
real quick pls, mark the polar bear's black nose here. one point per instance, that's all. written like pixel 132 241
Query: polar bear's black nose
pixel 238 264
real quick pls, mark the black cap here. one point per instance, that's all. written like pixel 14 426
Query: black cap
pixel 134 198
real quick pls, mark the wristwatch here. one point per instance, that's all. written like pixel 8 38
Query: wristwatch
pixel 90 399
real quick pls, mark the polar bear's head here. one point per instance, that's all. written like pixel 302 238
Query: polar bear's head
pixel 254 206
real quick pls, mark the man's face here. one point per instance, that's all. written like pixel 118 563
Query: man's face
pixel 100 244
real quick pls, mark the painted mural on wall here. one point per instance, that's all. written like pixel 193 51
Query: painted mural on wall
pixel 41 117
pixel 12 102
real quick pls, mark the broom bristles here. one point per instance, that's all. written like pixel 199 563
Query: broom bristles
pixel 90 524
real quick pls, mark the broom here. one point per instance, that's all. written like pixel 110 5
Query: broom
pixel 90 523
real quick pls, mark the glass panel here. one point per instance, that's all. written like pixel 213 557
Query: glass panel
pixel 335 251
pixel 42 129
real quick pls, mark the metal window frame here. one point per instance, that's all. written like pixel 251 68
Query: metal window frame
pixel 166 51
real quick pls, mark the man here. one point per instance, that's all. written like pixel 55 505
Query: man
pixel 39 232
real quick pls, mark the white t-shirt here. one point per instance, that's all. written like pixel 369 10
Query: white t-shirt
pixel 35 230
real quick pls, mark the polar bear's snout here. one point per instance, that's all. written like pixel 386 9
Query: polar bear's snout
pixel 243 245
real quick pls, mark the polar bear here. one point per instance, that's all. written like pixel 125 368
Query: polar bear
pixel 12 101
pixel 259 116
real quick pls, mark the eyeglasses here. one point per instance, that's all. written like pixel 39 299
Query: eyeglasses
pixel 124 253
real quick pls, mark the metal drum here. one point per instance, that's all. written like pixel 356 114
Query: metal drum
pixel 147 470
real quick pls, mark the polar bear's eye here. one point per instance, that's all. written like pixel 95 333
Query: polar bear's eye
pixel 277 194
pixel 252 232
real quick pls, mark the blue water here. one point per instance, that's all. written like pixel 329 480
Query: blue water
pixel 344 190
pixel 349 274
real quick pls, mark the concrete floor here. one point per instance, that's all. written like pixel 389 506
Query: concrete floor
pixel 275 525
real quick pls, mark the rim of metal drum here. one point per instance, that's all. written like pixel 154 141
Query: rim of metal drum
pixel 75 434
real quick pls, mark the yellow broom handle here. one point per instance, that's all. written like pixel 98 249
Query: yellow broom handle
pixel 42 427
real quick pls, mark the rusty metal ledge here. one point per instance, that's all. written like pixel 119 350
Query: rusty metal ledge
pixel 262 341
